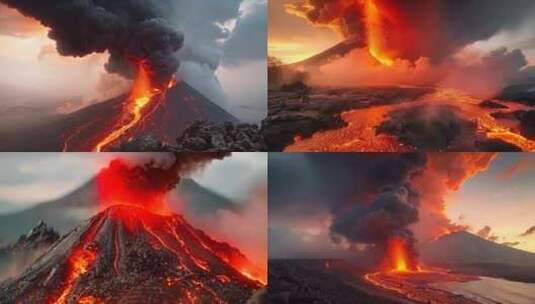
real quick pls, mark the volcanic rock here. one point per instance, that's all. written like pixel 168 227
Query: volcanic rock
pixel 496 145
pixel 520 93
pixel 209 136
pixel 426 126
pixel 15 257
pixel 527 124
pixel 129 255
pixel 489 104
pixel 145 143
pixel 514 115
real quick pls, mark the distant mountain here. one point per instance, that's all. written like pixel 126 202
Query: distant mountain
pixel 465 248
pixel 339 50
pixel 70 210
pixel 468 253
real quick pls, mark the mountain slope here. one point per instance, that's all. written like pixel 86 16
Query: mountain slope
pixel 81 130
pixel 69 211
pixel 126 254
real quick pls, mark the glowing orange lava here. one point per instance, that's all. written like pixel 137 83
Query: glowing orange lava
pixel 397 253
pixel 80 260
pixel 375 36
pixel 144 95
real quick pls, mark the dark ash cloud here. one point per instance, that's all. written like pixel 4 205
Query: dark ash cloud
pixel 131 31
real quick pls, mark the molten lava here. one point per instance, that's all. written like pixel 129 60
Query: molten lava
pixel 144 98
pixel 374 30
pixel 397 253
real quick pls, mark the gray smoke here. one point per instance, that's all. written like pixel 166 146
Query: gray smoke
pixel 369 196
pixel 131 31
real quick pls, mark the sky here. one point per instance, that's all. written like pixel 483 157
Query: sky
pixel 227 38
pixel 500 197
pixel 27 179
pixel 292 38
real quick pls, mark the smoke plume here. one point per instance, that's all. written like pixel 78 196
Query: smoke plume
pixel 433 29
pixel 146 181
pixel 444 174
pixel 132 32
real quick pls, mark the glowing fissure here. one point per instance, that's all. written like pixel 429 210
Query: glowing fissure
pixel 374 33
pixel 144 95
pixel 80 261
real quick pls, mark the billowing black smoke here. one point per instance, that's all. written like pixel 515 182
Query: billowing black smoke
pixel 369 196
pixel 132 31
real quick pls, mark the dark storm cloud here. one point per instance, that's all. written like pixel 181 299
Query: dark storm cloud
pixel 368 196
pixel 130 30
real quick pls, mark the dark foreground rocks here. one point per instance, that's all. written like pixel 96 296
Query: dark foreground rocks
pixel 304 281
pixel 297 111
pixel 203 136
pixel 426 126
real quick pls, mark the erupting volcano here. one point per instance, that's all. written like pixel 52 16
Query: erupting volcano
pixel 143 99
pixel 126 254
pixel 135 249
pixel 404 76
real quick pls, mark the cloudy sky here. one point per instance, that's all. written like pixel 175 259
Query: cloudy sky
pixel 496 203
pixel 224 57
pixel 30 178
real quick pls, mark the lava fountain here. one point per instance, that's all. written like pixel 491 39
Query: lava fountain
pixel 398 256
pixel 374 31
pixel 144 98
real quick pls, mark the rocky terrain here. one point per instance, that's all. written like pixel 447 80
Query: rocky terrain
pixel 14 258
pixel 296 111
pixel 310 281
pixel 203 136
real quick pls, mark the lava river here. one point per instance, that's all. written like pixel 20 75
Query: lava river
pixel 360 133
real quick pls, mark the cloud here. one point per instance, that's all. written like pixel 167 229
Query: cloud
pixel 248 40
pixel 530 231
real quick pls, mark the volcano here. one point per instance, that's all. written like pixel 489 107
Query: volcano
pixel 126 254
pixel 83 129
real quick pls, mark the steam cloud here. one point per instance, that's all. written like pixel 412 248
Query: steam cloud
pixel 447 26
pixel 131 31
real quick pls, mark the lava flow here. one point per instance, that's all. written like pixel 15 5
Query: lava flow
pixel 361 134
pixel 374 24
pixel 402 275
pixel 144 98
